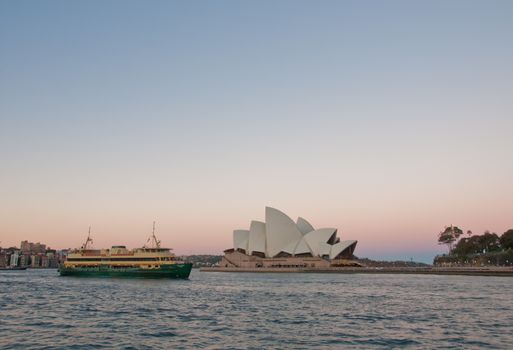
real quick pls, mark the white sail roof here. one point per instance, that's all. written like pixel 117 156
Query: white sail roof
pixel 302 248
pixel 304 226
pixel 318 239
pixel 291 247
pixel 240 239
pixel 256 237
pixel 280 231
pixel 324 249
pixel 339 247
pixel 280 234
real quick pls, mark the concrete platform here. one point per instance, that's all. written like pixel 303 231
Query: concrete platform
pixel 466 271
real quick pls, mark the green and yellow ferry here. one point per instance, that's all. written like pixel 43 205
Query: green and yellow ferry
pixel 148 262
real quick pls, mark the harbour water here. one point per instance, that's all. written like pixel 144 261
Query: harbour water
pixel 40 310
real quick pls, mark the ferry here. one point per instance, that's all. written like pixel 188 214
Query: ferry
pixel 149 261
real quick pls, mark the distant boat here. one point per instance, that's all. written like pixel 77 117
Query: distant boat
pixel 149 262
pixel 13 268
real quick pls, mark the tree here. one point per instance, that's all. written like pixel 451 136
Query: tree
pixel 489 242
pixel 507 239
pixel 449 236
pixel 467 246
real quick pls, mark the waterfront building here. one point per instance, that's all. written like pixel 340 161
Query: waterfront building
pixel 51 259
pixel 35 260
pixel 25 246
pixel 60 257
pixel 24 260
pixel 281 242
pixel 39 257
pixel 29 247
pixel 45 261
pixel 3 259
pixel 15 258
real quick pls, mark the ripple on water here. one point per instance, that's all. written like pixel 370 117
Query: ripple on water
pixel 40 310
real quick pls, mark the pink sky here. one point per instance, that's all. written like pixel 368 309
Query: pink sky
pixel 386 122
pixel 397 231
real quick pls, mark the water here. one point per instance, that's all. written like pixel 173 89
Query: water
pixel 40 310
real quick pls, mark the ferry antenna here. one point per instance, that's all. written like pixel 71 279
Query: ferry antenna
pixel 153 238
pixel 88 240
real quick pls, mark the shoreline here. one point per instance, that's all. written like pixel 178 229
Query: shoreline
pixel 461 271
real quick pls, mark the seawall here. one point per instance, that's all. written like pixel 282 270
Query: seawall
pixel 465 271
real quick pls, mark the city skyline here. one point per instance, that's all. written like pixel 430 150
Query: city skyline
pixel 388 122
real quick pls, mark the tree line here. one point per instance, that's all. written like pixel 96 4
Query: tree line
pixel 488 242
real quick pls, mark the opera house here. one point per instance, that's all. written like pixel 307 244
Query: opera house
pixel 281 242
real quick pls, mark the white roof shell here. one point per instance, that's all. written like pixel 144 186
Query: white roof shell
pixel 303 248
pixel 280 230
pixel 339 247
pixel 241 239
pixel 279 234
pixel 304 226
pixel 256 242
pixel 318 239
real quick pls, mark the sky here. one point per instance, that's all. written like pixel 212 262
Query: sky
pixel 388 120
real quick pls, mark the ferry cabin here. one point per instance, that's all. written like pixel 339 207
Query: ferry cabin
pixel 120 257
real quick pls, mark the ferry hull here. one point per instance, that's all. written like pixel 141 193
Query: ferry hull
pixel 178 271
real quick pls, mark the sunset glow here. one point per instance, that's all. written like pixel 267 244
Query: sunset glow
pixel 355 116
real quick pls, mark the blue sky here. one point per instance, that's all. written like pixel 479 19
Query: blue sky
pixel 388 120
